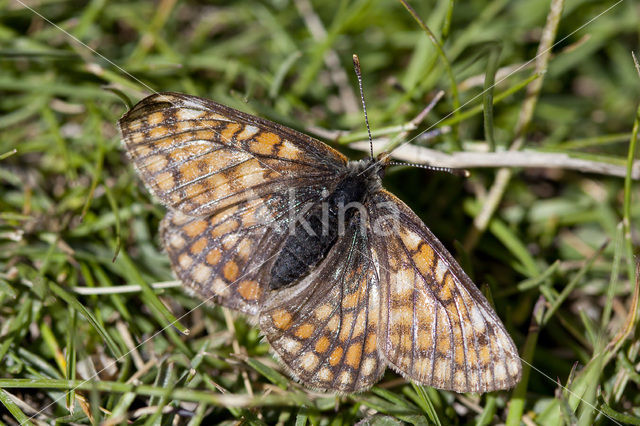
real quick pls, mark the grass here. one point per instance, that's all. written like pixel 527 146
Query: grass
pixel 556 253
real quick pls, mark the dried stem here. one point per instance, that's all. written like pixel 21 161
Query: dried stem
pixel 504 159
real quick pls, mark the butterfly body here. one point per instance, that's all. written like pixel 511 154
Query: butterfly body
pixel 342 278
pixel 313 235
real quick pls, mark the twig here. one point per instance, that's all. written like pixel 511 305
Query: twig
pixel 506 159
pixel 121 289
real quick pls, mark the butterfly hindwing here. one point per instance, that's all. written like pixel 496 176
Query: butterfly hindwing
pixel 325 328
pixel 436 328
pixel 227 256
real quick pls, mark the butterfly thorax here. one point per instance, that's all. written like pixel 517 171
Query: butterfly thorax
pixel 316 228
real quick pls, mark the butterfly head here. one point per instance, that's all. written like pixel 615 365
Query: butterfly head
pixel 382 161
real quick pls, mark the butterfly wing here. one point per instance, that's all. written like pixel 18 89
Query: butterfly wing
pixel 436 327
pixel 227 256
pixel 198 157
pixel 324 329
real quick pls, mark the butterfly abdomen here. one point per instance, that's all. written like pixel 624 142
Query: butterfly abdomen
pixel 316 229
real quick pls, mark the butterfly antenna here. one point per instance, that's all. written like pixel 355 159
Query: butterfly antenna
pixel 356 67
pixel 455 172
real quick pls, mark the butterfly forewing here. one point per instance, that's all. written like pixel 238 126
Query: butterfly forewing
pixel 198 156
pixel 436 328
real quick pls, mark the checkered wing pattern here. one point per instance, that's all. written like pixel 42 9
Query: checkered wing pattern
pixel 385 293
pixel 199 157
pixel 226 257
pixel 325 329
pixel 436 328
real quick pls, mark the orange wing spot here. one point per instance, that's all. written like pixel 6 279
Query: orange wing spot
pixel 424 259
pixel 459 354
pixel 353 355
pixel 250 218
pixel 345 329
pixel 141 150
pixel 333 323
pixel 183 126
pixel 132 126
pixel 425 341
pixel 268 138
pixel 358 328
pixel 444 344
pixel 213 116
pixel 136 138
pixel 187 152
pixel 485 355
pixel 158 132
pixel 406 342
pixel 305 331
pixel 446 289
pixel 189 172
pixel 217 180
pixel 204 134
pixel 335 356
pixel 224 228
pixel 370 344
pixel 196 193
pixel 207 124
pixel 175 197
pixel 281 319
pixel 322 344
pixel 350 301
pixel 195 228
pixel 165 181
pixel 156 163
pixel 228 132
pixel 230 271
pixel 155 119
pixel 249 290
pixel 472 356
pixel 213 257
pixel 167 143
pixel 222 190
pixel 288 150
pixel 248 174
pixel 198 246
pixel 264 142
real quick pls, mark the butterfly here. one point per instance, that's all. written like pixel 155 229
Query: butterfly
pixel 342 278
